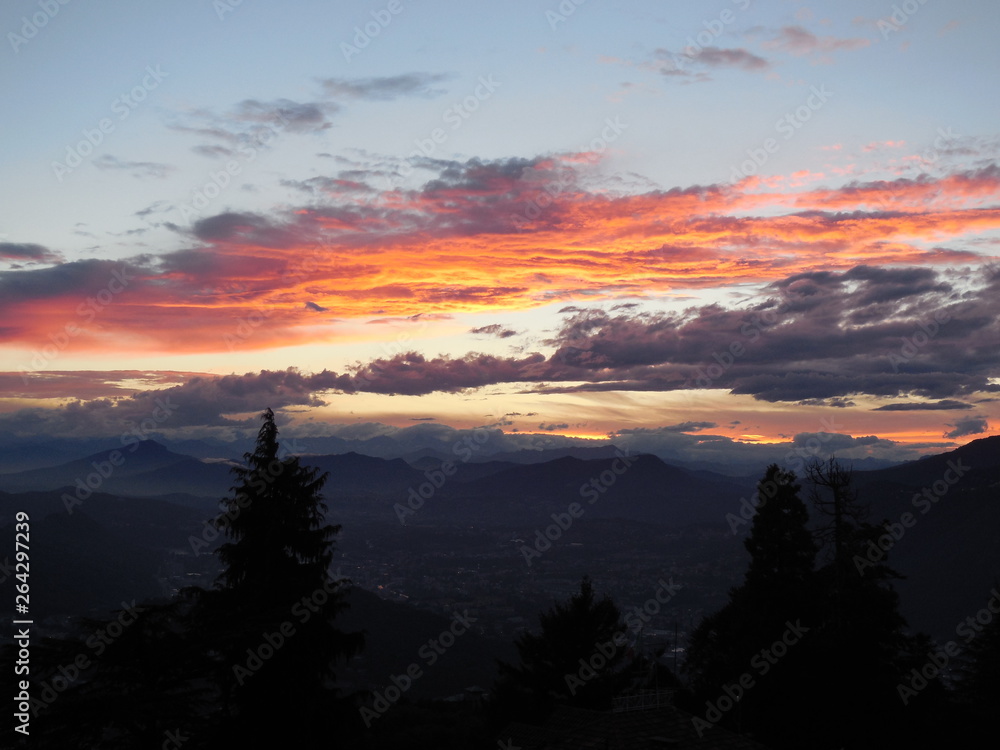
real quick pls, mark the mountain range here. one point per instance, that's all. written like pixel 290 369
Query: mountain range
pixel 128 506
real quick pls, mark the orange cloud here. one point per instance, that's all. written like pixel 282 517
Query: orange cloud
pixel 488 236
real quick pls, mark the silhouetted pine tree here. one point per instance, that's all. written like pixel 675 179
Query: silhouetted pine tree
pixel 779 589
pixel 273 614
pixel 579 634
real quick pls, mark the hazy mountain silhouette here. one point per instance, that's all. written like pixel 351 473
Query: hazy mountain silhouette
pixel 951 553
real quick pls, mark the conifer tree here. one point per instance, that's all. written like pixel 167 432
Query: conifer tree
pixel 574 659
pixel 276 601
pixel 274 518
pixel 781 547
pixel 779 589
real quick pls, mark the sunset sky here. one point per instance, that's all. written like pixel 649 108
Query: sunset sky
pixel 692 226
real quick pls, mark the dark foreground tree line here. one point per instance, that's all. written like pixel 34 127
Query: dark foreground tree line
pixel 809 652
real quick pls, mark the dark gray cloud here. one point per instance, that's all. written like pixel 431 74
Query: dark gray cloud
pixel 249 228
pixel 945 405
pixel 253 124
pixel 201 401
pixel 494 329
pixel 413 374
pixel 28 252
pixel 157 207
pixel 820 335
pixel 837 403
pixel 688 427
pixel 213 151
pixel 967 426
pixel 385 88
pixel 716 57
pixel 285 114
pixel 138 169
pixel 805 339
pixel 691 64
pixel 799 41
pixel 77 278
pixel 329 185
pixel 832 443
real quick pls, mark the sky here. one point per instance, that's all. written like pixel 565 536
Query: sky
pixel 701 228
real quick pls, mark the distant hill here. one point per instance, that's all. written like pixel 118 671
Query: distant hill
pixel 982 456
pixel 506 492
pixel 156 497
pixel 584 453
pixel 145 468
pixel 153 470
pixel 18 454
pixel 645 490
pixel 354 473
pixel 110 548
pixel 951 554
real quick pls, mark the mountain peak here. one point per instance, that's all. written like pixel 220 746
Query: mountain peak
pixel 149 447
